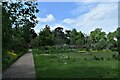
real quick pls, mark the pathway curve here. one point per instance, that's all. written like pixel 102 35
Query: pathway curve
pixel 22 68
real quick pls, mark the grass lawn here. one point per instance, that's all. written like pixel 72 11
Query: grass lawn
pixel 75 65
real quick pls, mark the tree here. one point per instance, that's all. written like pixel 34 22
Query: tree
pixel 80 39
pixel 111 42
pixel 96 35
pixel 6 30
pixel 22 14
pixel 59 36
pixel 18 19
pixel 73 37
pixel 68 36
pixel 45 37
pixel 118 39
pixel 101 44
pixel 77 38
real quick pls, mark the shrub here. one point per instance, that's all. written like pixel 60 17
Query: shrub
pixel 11 52
pixel 96 58
pixel 82 51
pixel 114 49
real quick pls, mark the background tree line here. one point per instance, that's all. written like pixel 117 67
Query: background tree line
pixel 96 40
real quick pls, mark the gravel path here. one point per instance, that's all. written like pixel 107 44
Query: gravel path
pixel 22 68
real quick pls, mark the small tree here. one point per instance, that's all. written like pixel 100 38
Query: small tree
pixel 45 37
pixel 101 44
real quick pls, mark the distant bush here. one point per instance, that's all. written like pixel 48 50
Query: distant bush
pixel 47 47
pixel 114 49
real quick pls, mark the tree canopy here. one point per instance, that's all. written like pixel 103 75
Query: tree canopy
pixel 18 21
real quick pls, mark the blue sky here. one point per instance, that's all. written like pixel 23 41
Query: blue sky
pixel 84 16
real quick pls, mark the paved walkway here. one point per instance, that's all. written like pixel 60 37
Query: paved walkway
pixel 22 68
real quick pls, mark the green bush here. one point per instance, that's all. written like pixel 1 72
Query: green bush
pixel 114 49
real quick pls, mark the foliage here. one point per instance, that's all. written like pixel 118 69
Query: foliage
pixel 118 38
pixel 101 44
pixel 45 37
pixel 96 35
pixel 97 40
pixel 59 36
pixel 18 19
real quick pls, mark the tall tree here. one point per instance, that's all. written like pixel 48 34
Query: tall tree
pixel 80 39
pixel 60 37
pixel 22 14
pixel 17 20
pixel 73 37
pixel 45 37
pixel 68 36
pixel 6 30
pixel 96 36
pixel 111 40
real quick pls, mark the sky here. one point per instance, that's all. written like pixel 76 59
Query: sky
pixel 84 16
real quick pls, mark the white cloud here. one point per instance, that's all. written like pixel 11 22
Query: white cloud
pixel 68 21
pixel 49 18
pixel 104 15
pixel 101 11
pixel 83 7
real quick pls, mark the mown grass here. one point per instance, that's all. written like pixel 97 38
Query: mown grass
pixel 75 65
